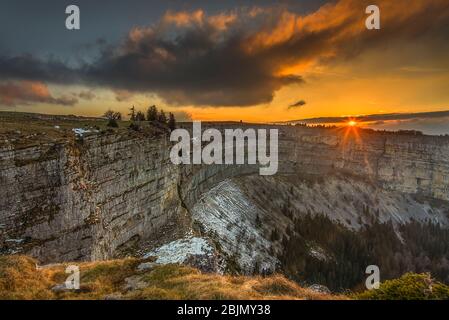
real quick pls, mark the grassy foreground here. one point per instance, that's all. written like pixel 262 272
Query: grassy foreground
pixel 20 278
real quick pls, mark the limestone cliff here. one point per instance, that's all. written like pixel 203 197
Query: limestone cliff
pixel 94 198
pixel 84 200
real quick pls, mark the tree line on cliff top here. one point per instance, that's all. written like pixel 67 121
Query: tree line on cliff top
pixel 152 115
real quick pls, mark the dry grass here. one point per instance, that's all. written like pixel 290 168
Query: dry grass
pixel 187 283
pixel 24 130
pixel 21 279
pixel 28 129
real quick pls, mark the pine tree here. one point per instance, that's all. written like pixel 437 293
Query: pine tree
pixel 171 121
pixel 258 221
pixel 140 116
pixel 162 118
pixel 152 113
pixel 132 114
pixel 275 235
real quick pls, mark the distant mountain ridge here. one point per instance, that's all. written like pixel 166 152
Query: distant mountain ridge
pixel 372 117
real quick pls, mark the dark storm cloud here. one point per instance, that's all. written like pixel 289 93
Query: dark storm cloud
pixel 27 67
pixel 298 104
pixel 86 95
pixel 205 63
pixel 123 95
pixel 235 58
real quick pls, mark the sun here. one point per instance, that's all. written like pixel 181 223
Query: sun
pixel 352 123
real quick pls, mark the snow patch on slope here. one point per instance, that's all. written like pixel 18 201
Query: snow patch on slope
pixel 181 250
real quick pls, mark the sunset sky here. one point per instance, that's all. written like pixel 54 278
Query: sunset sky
pixel 260 61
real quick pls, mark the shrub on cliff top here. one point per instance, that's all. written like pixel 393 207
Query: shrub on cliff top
pixel 410 286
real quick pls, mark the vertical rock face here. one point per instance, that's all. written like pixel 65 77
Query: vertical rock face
pixel 83 201
pixel 91 199
pixel 412 164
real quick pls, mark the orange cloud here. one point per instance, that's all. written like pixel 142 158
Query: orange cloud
pixel 183 18
pixel 30 92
